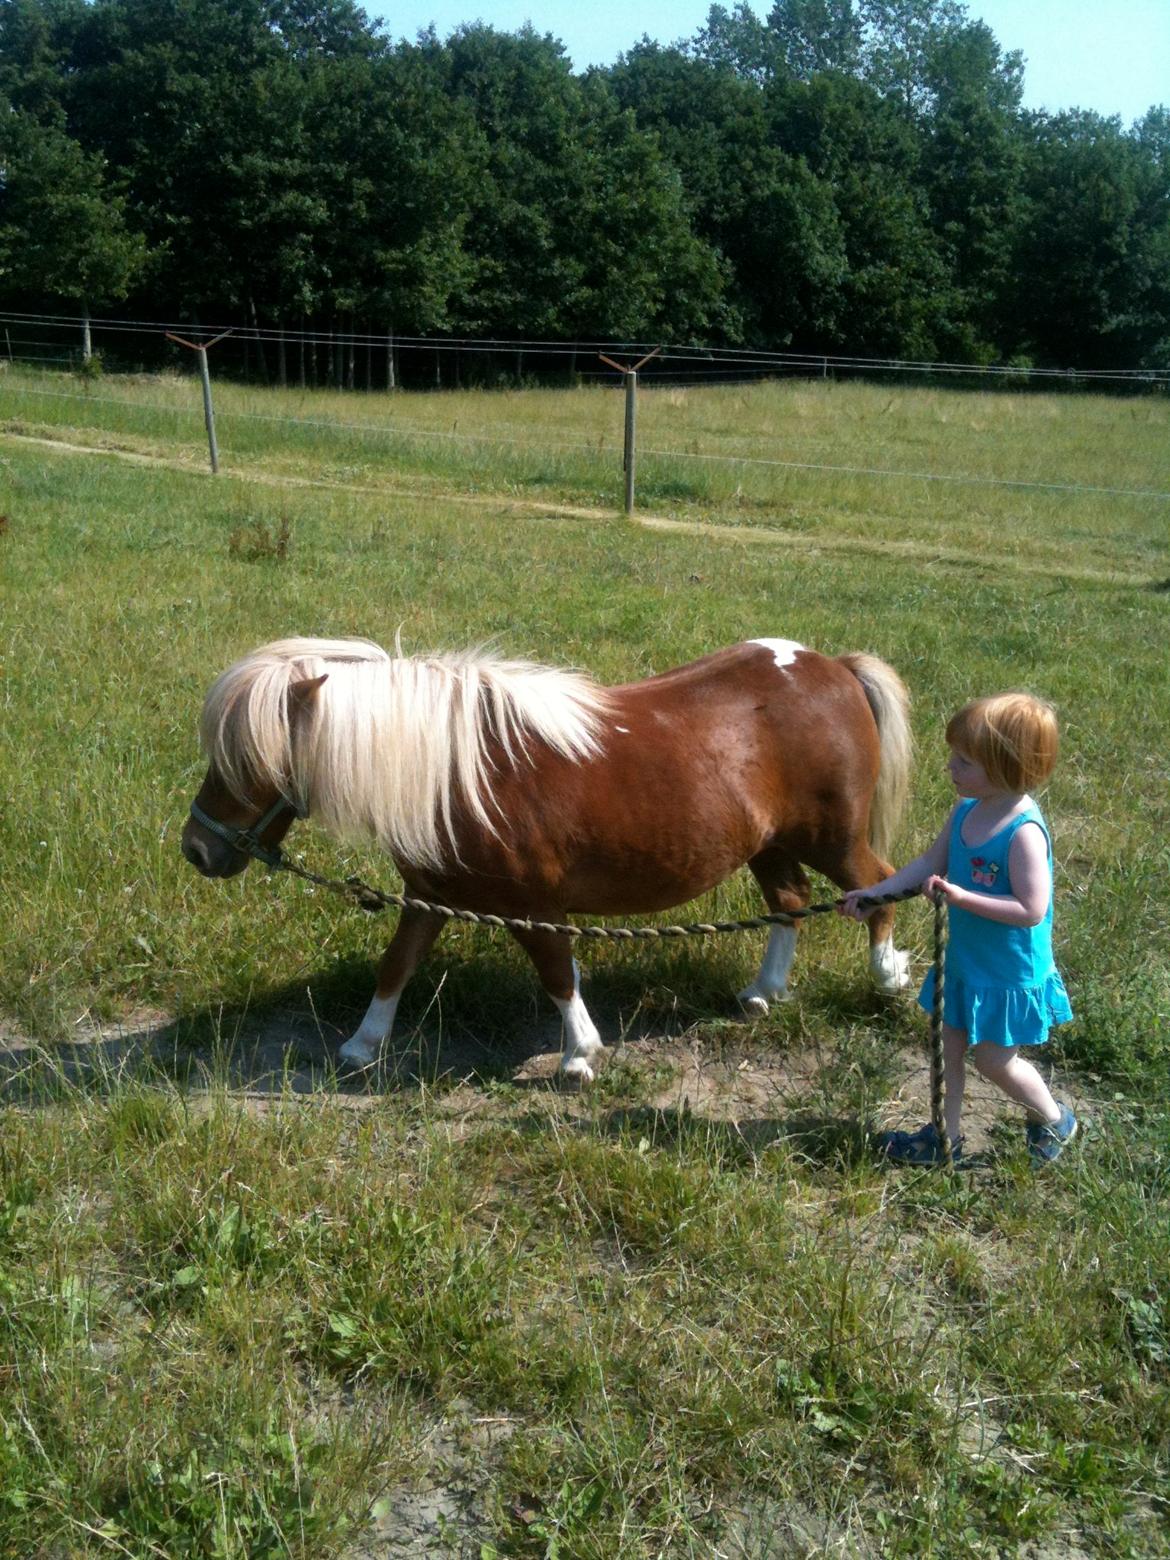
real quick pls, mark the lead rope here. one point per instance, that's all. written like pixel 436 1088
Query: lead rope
pixel 374 900
pixel 937 1110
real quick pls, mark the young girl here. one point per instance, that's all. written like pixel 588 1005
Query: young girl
pixel 993 864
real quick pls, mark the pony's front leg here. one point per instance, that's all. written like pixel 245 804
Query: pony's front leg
pixel 415 933
pixel 561 978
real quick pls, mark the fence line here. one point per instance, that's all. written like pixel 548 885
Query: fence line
pixel 756 359
pixel 597 448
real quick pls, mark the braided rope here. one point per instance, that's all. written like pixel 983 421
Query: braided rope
pixel 374 900
pixel 937 1110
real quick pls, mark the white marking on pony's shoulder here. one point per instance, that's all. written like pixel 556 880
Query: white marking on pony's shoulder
pixel 785 651
pixel 625 730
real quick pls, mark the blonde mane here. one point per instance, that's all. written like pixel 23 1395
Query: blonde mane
pixel 392 743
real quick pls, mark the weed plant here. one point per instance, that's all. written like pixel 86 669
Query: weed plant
pixel 244 1324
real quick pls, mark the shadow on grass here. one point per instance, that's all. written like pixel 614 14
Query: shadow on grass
pixel 474 1020
pixel 821 1141
pixel 836 1141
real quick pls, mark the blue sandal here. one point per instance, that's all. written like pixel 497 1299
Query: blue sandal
pixel 1047 1139
pixel 923 1147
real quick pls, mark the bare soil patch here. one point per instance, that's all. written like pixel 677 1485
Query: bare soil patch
pixel 722 1072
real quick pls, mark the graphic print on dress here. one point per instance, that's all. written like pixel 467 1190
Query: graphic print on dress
pixel 984 871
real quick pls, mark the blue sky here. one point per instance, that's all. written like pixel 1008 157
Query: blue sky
pixel 1109 55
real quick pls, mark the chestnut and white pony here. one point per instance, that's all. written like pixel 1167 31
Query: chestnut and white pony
pixel 517 789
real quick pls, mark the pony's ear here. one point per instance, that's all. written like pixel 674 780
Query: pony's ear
pixel 302 695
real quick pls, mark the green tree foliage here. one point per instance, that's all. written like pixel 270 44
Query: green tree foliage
pixel 813 36
pixel 772 222
pixel 839 175
pixel 865 153
pixel 61 230
pixel 34 37
pixel 1092 259
pixel 577 224
pixel 971 171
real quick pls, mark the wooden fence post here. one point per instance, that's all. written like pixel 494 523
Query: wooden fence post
pixel 208 411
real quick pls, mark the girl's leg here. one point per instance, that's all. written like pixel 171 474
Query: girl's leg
pixel 1008 1070
pixel 954 1077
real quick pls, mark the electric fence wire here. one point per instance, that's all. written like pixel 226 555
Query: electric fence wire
pixel 744 357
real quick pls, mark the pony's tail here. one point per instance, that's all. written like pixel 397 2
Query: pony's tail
pixel 890 703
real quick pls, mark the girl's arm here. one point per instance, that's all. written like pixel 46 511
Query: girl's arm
pixel 1029 878
pixel 913 875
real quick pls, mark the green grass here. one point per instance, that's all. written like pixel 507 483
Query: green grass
pixel 599 1327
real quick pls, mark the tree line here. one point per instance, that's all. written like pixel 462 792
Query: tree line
pixel 844 175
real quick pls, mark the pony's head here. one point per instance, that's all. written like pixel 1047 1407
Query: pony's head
pixel 397 750
pixel 251 792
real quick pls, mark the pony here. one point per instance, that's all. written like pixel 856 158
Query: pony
pixel 507 787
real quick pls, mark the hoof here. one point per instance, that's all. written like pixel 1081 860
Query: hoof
pixel 577 1070
pixel 357 1055
pixel 892 976
pixel 757 1003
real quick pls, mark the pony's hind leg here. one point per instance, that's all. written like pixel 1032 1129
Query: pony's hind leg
pixel 889 966
pixel 561 978
pixel 785 888
pixel 415 933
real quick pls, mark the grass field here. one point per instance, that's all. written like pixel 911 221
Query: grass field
pixel 457 1309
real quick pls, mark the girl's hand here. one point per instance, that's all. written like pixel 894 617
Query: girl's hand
pixel 935 885
pixel 849 906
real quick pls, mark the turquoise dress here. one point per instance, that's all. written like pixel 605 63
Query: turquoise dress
pixel 1001 982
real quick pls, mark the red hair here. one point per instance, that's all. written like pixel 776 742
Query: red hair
pixel 1014 736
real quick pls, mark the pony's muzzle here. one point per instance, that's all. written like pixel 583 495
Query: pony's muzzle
pixel 211 858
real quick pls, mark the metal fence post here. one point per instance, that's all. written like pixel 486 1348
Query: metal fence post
pixel 200 349
pixel 631 419
pixel 630 375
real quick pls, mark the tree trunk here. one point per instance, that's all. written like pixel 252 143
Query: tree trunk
pixel 261 359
